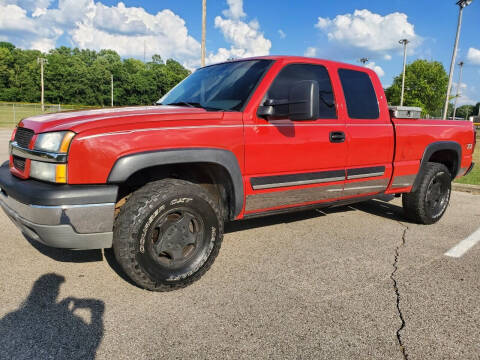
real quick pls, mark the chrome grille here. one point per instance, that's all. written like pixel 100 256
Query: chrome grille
pixel 23 137
pixel 19 163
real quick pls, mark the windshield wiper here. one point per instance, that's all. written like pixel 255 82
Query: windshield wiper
pixel 195 105
pixel 184 103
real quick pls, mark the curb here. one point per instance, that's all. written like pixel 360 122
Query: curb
pixel 473 189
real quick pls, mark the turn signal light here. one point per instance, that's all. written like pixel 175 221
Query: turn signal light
pixel 61 174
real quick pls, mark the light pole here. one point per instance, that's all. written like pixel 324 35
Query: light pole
pixel 404 42
pixel 42 62
pixel 458 89
pixel 204 29
pixel 111 91
pixel 462 4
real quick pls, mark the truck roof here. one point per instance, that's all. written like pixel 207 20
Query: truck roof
pixel 292 58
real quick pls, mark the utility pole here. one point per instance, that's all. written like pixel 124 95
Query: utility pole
pixel 204 29
pixel 111 92
pixel 462 4
pixel 42 62
pixel 458 88
pixel 404 42
pixel 364 60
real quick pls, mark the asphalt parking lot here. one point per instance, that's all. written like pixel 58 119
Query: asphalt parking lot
pixel 355 282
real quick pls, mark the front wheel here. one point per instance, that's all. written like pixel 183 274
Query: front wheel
pixel 428 203
pixel 168 234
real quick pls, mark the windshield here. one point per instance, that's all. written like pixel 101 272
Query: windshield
pixel 224 86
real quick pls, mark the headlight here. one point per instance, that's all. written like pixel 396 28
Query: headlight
pixel 56 173
pixel 58 142
pixel 52 142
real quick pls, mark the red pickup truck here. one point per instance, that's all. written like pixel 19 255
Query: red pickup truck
pixel 232 141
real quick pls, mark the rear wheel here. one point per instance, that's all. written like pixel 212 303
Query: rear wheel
pixel 429 202
pixel 168 234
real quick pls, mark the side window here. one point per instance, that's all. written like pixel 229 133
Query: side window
pixel 298 72
pixel 359 94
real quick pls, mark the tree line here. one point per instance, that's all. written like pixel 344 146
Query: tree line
pixel 74 76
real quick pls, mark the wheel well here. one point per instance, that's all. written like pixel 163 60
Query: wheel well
pixel 212 177
pixel 448 158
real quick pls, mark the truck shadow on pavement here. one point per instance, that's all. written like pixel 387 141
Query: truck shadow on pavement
pixel 380 206
pixel 383 208
pixel 43 327
pixel 66 255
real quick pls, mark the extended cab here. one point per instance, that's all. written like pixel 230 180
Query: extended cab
pixel 233 140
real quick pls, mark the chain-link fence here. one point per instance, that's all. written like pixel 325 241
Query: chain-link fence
pixel 12 113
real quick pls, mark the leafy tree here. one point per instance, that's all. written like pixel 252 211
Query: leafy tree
pixel 82 76
pixel 476 110
pixel 425 86
pixel 465 111
pixel 7 45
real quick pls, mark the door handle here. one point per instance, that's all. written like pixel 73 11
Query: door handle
pixel 337 136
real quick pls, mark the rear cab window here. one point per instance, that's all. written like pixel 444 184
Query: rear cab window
pixel 360 96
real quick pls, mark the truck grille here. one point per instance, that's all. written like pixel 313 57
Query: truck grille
pixel 23 137
pixel 19 163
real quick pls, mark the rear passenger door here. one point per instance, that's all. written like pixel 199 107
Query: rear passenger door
pixel 369 133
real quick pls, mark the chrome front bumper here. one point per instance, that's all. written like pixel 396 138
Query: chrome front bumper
pixel 70 220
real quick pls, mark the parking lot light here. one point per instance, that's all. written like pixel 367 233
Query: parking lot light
pixel 462 4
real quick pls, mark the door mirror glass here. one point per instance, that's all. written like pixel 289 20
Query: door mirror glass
pixel 302 103
pixel 303 100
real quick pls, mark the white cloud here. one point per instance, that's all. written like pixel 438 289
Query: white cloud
pixel 127 29
pixel 473 56
pixel 466 94
pixel 387 57
pixel 235 10
pixel 369 31
pixel 466 100
pixel 246 39
pixel 29 5
pixel 282 34
pixel 24 31
pixel 310 52
pixel 39 24
pixel 378 69
pixel 89 24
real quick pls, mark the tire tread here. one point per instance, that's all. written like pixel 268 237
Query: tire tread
pixel 413 202
pixel 138 206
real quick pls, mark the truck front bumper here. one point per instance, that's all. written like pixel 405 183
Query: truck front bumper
pixel 63 216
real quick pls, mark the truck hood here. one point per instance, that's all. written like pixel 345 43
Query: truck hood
pixel 79 121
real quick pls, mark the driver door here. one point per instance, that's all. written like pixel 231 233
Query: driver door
pixel 293 163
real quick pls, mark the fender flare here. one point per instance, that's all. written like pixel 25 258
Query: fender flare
pixel 431 149
pixel 127 165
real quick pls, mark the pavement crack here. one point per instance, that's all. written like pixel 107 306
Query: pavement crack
pixel 397 292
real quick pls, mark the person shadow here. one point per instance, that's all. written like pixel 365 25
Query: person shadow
pixel 45 328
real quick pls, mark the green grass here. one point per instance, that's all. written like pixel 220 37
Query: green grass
pixel 474 177
pixel 11 115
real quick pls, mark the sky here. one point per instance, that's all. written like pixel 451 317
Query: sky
pixel 337 30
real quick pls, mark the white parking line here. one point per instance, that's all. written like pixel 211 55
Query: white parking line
pixel 463 246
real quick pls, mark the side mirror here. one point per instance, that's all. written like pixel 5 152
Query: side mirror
pixel 304 101
pixel 267 109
